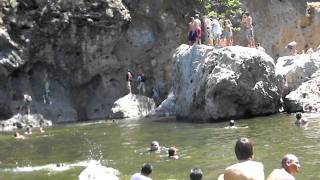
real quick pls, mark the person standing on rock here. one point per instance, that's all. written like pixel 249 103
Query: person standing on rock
pixel 247 22
pixel 197 23
pixel 141 79
pixel 216 31
pixel 207 30
pixel 27 102
pixel 192 35
pixel 290 167
pixel 228 32
pixel 129 78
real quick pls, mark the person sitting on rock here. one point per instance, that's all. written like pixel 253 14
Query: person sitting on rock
pixel 290 167
pixel 196 174
pixel 172 152
pixel 300 120
pixel 259 47
pixel 292 46
pixel 18 136
pixel 146 170
pixel 246 169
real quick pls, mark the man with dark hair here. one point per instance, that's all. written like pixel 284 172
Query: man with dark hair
pixel 246 169
pixel 172 152
pixel 146 170
pixel 196 174
pixel 300 120
pixel 290 167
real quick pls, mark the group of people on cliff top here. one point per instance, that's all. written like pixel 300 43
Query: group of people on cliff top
pixel 245 169
pixel 213 33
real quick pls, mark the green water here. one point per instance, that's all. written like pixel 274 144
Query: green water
pixel 123 145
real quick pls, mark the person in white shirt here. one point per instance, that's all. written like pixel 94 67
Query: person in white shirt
pixel 216 31
pixel 146 170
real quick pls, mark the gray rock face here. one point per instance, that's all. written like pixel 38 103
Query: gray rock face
pixel 276 23
pixel 302 81
pixel 83 50
pixel 23 121
pixel 234 82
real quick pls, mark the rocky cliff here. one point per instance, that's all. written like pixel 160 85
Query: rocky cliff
pixel 78 52
pixel 217 84
pixel 278 22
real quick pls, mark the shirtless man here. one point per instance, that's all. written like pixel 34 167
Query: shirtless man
pixel 290 167
pixel 247 22
pixel 207 29
pixel 192 35
pixel 197 24
pixel 246 169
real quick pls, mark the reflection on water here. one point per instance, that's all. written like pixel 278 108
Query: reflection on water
pixel 123 145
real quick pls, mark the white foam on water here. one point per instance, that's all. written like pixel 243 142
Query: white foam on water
pixel 52 167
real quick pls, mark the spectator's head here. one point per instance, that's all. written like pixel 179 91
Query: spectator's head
pixel 196 174
pixel 298 116
pixel 154 146
pixel 16 134
pixel 204 17
pixel 244 149
pixel 290 163
pixel 196 16
pixel 172 151
pixel 146 169
pixel 247 13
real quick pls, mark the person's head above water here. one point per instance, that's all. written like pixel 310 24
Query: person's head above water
pixel 154 146
pixel 172 151
pixel 195 174
pixel 290 163
pixel 146 169
pixel 298 116
pixel 243 149
pixel 231 123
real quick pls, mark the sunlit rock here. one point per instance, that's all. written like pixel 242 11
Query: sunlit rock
pixel 211 84
pixel 133 106
pixel 98 172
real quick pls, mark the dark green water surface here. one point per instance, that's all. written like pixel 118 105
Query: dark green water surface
pixel 123 145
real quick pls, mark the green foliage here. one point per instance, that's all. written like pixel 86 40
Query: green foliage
pixel 223 9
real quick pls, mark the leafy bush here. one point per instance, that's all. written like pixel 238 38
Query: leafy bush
pixel 223 9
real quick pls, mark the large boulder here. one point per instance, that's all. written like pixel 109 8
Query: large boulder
pixel 132 106
pixel 20 121
pixel 302 82
pixel 297 69
pixel 235 82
